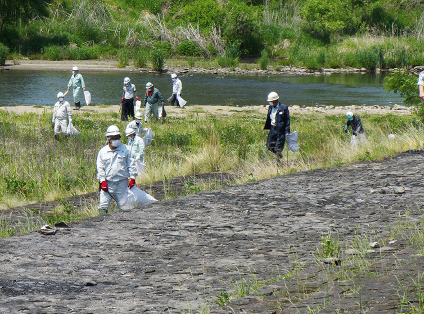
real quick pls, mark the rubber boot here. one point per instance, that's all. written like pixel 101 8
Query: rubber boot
pixel 56 137
pixel 78 105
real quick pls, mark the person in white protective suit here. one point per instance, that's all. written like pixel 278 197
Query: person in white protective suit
pixel 136 147
pixel 77 83
pixel 137 124
pixel 114 167
pixel 61 114
pixel 177 87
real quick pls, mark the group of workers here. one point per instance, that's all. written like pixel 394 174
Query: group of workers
pixel 118 164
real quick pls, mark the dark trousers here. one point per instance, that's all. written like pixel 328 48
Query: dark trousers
pixel 275 141
pixel 127 109
pixel 174 100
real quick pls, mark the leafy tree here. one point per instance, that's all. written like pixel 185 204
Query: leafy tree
pixel 405 84
pixel 15 11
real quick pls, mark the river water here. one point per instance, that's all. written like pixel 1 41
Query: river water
pixel 40 88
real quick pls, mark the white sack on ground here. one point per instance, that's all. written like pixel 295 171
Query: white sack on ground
pixel 135 197
pixel 181 101
pixel 71 130
pixel 147 138
pixel 292 141
pixel 87 97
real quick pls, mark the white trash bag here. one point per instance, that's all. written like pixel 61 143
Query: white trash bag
pixel 135 197
pixel 71 130
pixel 292 141
pixel 147 138
pixel 181 101
pixel 87 97
pixel 141 167
pixel 137 105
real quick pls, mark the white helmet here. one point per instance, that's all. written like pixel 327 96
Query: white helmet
pixel 149 85
pixel 60 94
pixel 75 69
pixel 129 130
pixel 138 115
pixel 112 130
pixel 126 80
pixel 173 75
pixel 349 115
pixel 273 96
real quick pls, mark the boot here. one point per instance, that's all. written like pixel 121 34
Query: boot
pixel 56 137
pixel 78 105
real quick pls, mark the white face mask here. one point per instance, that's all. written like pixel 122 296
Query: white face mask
pixel 115 143
pixel 271 103
pixel 60 99
pixel 138 121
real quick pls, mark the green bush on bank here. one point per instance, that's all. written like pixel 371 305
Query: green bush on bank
pixel 4 52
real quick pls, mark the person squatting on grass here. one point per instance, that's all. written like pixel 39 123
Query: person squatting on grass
pixel 76 82
pixel 137 125
pixel 128 100
pixel 61 114
pixel 177 87
pixel 357 129
pixel 114 167
pixel 278 124
pixel 151 101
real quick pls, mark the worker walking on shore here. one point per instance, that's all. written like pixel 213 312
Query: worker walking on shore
pixel 358 133
pixel 151 102
pixel 278 124
pixel 128 100
pixel 114 167
pixel 177 87
pixel 61 114
pixel 77 83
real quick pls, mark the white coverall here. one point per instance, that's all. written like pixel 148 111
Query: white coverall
pixel 77 84
pixel 138 127
pixel 136 147
pixel 177 87
pixel 114 167
pixel 61 112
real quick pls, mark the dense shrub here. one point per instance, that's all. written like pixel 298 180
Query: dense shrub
pixel 189 48
pixel 124 58
pixel 140 58
pixel 4 52
pixel 157 58
pixel 263 60
pixel 405 84
pixel 166 47
pixel 53 53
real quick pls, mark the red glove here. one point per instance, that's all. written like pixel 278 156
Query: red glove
pixel 103 186
pixel 131 183
pixel 138 98
pixel 122 100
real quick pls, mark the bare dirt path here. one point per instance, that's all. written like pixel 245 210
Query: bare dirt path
pixel 176 256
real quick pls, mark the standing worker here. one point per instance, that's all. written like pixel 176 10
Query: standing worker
pixel 61 114
pixel 128 100
pixel 177 86
pixel 114 167
pixel 356 124
pixel 420 84
pixel 278 124
pixel 151 102
pixel 76 82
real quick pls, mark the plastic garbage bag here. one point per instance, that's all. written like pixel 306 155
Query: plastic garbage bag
pixel 71 130
pixel 162 112
pixel 135 197
pixel 292 141
pixel 181 101
pixel 147 138
pixel 391 136
pixel 354 140
pixel 140 166
pixel 137 105
pixel 87 97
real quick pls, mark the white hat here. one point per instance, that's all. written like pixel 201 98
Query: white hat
pixel 349 115
pixel 60 94
pixel 75 69
pixel 126 80
pixel 129 130
pixel 273 96
pixel 149 85
pixel 112 130
pixel 138 115
pixel 173 75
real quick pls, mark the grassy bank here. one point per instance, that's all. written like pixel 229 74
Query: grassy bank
pixel 35 167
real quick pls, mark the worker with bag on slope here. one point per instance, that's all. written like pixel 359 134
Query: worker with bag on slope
pixel 114 167
pixel 61 114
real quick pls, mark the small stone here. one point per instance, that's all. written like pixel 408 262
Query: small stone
pixel 332 261
pixel 374 245
pixel 352 252
pixel 398 190
pixel 89 282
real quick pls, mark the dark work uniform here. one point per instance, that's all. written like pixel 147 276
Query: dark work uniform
pixel 277 133
pixel 356 125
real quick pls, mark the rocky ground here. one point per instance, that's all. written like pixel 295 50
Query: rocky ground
pixel 179 255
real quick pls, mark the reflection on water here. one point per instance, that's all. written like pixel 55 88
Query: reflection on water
pixel 40 88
